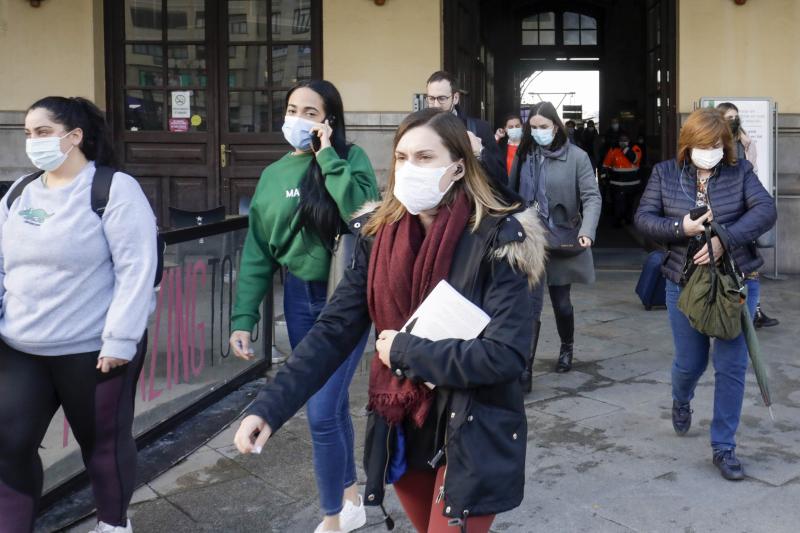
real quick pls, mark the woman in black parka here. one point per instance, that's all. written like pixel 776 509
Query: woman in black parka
pixel 441 219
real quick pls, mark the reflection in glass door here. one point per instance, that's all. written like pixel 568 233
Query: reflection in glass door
pixel 267 47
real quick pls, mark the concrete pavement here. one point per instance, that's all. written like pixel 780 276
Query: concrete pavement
pixel 602 455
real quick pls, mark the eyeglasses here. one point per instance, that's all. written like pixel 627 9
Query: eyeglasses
pixel 433 99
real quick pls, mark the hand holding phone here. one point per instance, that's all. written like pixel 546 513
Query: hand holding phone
pixel 694 226
pixel 321 134
pixel 697 212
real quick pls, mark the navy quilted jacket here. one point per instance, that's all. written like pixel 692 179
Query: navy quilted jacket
pixel 739 202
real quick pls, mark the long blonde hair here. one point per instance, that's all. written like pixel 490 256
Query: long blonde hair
pixel 485 199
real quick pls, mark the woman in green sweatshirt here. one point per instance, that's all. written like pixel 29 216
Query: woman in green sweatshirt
pixel 300 204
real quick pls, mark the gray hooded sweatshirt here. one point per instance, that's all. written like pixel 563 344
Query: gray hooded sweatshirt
pixel 71 282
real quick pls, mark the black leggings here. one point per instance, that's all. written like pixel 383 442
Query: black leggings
pixel 98 407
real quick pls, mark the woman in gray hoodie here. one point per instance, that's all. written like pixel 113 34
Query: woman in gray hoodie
pixel 76 288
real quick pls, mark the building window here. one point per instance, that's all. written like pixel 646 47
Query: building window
pixel 238 24
pixel 539 30
pixel 579 30
pixel 302 20
pixel 559 29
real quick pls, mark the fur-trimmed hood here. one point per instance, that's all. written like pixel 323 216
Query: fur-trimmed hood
pixel 527 255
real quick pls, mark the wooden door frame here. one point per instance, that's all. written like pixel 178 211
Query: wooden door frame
pixel 114 59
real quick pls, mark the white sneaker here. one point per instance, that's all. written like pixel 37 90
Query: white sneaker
pixel 320 530
pixel 352 516
pixel 102 527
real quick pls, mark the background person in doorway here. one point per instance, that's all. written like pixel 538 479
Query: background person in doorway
pixel 75 293
pixel 588 141
pixel 442 93
pixel 556 178
pixel 508 138
pixel 746 149
pixel 707 173
pixel 299 207
pixel 621 170
pixel 572 132
pixel 464 442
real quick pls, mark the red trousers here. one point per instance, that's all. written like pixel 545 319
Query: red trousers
pixel 417 491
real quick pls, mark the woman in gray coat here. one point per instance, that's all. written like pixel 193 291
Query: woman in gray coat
pixel 556 178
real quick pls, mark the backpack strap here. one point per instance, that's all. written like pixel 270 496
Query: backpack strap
pixel 17 191
pixel 101 189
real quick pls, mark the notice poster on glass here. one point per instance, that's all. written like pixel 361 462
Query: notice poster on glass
pixel 756 116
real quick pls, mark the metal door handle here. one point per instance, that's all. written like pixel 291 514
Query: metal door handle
pixel 223 155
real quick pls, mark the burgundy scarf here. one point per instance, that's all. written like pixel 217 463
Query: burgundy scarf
pixel 405 265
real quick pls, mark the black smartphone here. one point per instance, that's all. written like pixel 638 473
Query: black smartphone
pixel 697 212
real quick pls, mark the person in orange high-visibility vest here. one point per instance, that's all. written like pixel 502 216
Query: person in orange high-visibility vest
pixel 622 166
pixel 624 156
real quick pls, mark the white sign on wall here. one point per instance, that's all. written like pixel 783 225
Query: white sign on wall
pixel 756 116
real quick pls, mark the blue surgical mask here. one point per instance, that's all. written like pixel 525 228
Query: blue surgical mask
pixel 297 132
pixel 514 134
pixel 543 137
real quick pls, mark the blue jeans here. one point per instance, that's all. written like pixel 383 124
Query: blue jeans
pixel 329 409
pixel 730 366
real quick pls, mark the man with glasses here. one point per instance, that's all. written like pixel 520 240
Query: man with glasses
pixel 441 93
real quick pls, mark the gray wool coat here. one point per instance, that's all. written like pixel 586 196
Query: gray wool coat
pixel 562 173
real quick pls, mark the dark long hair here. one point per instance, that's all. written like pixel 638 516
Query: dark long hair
pixel 77 112
pixel 318 210
pixel 548 111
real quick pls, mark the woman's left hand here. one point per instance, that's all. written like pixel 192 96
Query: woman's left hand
pixel 384 346
pixel 584 241
pixel 105 364
pixel 324 132
pixel 701 257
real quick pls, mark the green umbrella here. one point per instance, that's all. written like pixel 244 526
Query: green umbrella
pixel 759 367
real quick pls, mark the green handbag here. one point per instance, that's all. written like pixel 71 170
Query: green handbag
pixel 713 297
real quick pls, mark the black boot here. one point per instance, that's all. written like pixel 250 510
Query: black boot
pixel 566 330
pixel 760 320
pixel 527 374
pixel 564 358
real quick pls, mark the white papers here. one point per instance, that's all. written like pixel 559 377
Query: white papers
pixel 446 314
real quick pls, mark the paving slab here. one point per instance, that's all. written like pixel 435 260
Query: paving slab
pixel 602 455
pixel 204 467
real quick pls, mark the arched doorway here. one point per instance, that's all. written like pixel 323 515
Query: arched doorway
pixel 630 44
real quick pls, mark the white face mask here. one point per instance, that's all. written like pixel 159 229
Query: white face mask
pixel 417 188
pixel 514 134
pixel 297 132
pixel 45 152
pixel 706 158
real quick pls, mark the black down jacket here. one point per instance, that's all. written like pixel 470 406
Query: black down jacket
pixel 478 388
pixel 741 205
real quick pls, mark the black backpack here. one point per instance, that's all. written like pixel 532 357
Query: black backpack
pixel 101 189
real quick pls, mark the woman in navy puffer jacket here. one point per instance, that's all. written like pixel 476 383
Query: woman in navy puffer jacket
pixel 706 173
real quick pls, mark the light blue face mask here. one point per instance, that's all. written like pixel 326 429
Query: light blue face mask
pixel 297 132
pixel 543 137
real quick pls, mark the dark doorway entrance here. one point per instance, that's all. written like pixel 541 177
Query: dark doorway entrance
pixel 197 91
pixel 631 44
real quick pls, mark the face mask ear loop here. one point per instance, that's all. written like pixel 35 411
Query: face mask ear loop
pixel 680 180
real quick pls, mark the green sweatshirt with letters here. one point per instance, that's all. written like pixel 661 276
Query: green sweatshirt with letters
pixel 274 215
